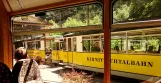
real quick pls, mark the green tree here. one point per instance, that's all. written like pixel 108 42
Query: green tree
pixel 125 10
pixel 82 14
pixel 74 16
pixel 55 25
pixel 73 22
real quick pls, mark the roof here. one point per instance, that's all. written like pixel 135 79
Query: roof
pixel 16 5
pixel 83 33
pixel 26 23
pixel 30 20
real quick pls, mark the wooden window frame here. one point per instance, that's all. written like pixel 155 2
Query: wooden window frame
pixel 106 25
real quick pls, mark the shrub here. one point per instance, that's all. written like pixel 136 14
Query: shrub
pixel 76 77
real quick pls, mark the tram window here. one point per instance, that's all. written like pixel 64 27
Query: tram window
pixel 37 44
pixel 57 46
pixel 86 45
pixel 102 41
pixel 95 46
pixel 118 45
pixel 64 44
pixel 74 43
pixel 53 45
pixel 18 44
pixel 61 45
pixel 136 45
pixel 33 45
pixel 48 44
pixel 153 45
pixel 29 45
pixel 69 44
pixel 92 44
pixel 115 44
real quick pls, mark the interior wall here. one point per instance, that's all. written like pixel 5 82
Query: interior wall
pixel 5 37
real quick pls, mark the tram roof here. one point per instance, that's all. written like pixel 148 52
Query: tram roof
pixel 137 28
pixel 154 31
pixel 84 33
pixel 137 24
pixel 144 28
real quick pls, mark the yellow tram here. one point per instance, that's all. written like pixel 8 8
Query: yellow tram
pixel 134 53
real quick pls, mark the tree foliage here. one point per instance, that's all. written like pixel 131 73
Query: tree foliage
pixel 75 16
pixel 55 25
pixel 125 10
pixel 73 22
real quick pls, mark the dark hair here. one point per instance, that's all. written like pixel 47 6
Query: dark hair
pixel 20 53
pixel 38 59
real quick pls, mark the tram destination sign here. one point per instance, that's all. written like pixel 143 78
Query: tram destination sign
pixel 132 62
pixel 125 62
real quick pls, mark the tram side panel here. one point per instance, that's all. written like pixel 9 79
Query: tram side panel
pixel 63 57
pixel 42 54
pixel 34 53
pixel 55 56
pixel 60 56
pixel 70 58
pixel 143 64
pixel 138 66
pixel 128 63
pixel 88 61
pixel 30 53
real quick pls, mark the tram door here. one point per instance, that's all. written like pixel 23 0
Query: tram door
pixel 66 54
pixel 69 53
pixel 57 51
pixel 71 48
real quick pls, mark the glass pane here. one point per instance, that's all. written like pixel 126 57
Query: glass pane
pixel 51 37
pixel 69 17
pixel 135 51
pixel 136 10
pixel 95 14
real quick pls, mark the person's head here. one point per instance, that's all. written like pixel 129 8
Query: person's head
pixel 38 59
pixel 20 53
